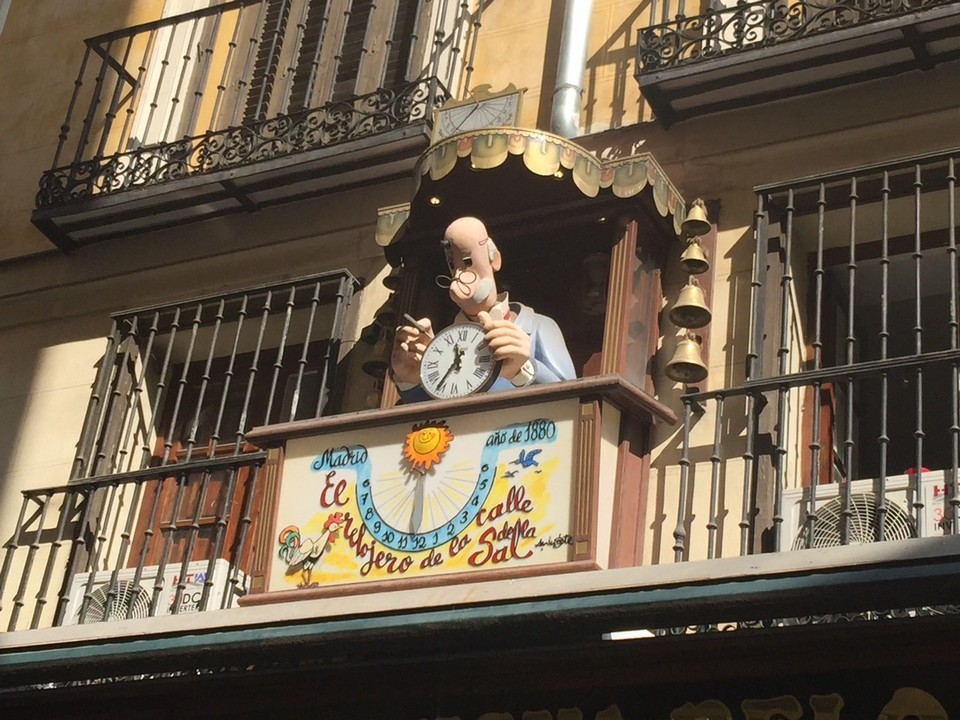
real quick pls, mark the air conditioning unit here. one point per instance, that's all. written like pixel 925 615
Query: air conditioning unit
pixel 899 524
pixel 104 605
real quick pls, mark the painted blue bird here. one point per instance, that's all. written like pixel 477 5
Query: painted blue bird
pixel 527 459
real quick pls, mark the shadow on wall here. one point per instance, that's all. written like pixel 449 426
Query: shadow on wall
pixel 617 54
pixel 616 58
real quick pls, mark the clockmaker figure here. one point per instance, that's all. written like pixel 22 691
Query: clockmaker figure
pixel 530 345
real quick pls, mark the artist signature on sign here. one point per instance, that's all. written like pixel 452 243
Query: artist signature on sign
pixel 554 542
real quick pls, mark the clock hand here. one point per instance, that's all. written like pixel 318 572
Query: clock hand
pixel 453 366
pixel 467 116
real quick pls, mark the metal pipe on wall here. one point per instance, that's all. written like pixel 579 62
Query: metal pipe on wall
pixel 565 117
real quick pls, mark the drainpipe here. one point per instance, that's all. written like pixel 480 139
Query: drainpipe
pixel 565 118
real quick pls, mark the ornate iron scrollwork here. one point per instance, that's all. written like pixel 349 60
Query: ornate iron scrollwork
pixel 746 25
pixel 283 135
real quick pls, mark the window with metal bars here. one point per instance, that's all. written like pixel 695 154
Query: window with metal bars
pixel 855 309
pixel 179 388
pixel 185 381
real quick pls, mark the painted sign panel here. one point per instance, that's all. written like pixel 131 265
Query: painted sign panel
pixel 456 494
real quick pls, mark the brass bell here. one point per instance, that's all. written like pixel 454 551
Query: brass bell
pixel 687 366
pixel 694 258
pixel 696 222
pixel 690 310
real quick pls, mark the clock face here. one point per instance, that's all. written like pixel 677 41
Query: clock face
pixel 491 112
pixel 458 362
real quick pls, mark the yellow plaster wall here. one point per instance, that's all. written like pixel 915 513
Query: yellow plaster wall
pixel 41 48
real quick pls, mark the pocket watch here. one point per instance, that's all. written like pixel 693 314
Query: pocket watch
pixel 458 362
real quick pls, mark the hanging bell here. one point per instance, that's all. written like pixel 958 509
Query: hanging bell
pixel 694 259
pixel 690 310
pixel 696 223
pixel 687 366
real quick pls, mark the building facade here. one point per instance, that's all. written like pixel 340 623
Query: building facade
pixel 741 216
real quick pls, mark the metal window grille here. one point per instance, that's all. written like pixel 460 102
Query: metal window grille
pixel 163 478
pixel 851 389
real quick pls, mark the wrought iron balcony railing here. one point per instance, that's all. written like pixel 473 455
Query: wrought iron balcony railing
pixel 846 430
pixel 724 30
pixel 244 82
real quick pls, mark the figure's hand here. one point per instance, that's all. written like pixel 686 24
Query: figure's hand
pixel 507 341
pixel 408 346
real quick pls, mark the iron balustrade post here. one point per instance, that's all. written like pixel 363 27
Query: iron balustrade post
pixel 51 563
pixel 165 369
pixel 332 356
pixel 204 381
pixel 953 496
pixel 884 438
pixel 749 459
pixel 19 600
pixel 228 68
pixel 193 533
pixel 91 421
pixel 65 126
pixel 246 76
pixel 456 49
pixel 94 102
pixel 111 113
pixel 79 544
pixel 918 502
pixel 278 363
pixel 271 61
pixel 229 373
pixel 252 375
pixel 135 397
pixel 10 547
pixel 815 446
pixel 155 102
pixel 304 355
pixel 715 460
pixel 315 60
pixel 133 102
pixel 201 81
pixel 477 22
pixel 783 354
pixel 680 531
pixel 169 440
pixel 438 39
pixel 243 530
pixel 175 100
pixel 846 512
pixel 293 65
pixel 148 534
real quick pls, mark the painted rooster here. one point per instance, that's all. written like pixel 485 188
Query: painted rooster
pixel 303 554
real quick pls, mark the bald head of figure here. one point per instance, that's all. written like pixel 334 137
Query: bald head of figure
pixel 473 259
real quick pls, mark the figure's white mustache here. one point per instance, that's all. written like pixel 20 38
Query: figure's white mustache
pixel 483 290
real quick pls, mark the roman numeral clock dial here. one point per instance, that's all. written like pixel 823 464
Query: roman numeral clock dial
pixel 458 363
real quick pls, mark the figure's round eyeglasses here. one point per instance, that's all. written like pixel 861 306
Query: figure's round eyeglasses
pixel 464 279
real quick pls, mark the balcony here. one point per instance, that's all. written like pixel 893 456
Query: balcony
pixel 737 54
pixel 241 105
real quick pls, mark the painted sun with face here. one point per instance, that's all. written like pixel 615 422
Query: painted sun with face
pixel 425 444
